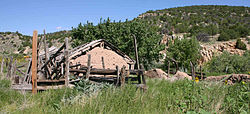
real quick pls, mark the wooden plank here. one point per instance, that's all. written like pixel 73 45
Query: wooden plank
pixel 60 80
pixel 103 71
pixel 89 63
pixel 21 72
pixel 66 62
pixel 27 71
pixel 34 63
pixel 53 56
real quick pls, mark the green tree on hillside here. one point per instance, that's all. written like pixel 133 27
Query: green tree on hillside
pixel 184 51
pixel 121 35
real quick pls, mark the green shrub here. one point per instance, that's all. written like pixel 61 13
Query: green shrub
pixel 228 63
pixel 184 51
pixel 241 45
pixel 224 37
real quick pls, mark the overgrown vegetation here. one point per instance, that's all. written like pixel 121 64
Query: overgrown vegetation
pixel 229 21
pixel 121 34
pixel 227 63
pixel 183 51
pixel 240 45
pixel 161 97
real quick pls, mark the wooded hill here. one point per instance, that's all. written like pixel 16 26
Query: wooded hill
pixel 208 20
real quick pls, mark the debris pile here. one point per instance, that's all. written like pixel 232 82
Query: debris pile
pixel 156 73
pixel 230 79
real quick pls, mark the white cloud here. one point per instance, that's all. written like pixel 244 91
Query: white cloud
pixel 58 28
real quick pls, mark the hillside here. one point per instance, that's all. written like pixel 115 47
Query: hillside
pixel 206 23
pixel 15 43
pixel 202 20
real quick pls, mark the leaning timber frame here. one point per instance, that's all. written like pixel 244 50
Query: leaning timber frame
pixel 53 67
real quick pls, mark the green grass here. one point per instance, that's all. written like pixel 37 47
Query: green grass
pixel 161 97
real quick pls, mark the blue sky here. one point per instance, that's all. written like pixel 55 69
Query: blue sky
pixel 55 15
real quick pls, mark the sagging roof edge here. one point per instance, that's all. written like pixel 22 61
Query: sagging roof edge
pixel 114 48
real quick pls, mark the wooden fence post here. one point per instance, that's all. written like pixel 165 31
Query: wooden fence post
pixel 168 68
pixel 2 64
pixel 89 64
pixel 142 74
pixel 9 73
pixel 66 62
pixel 34 63
pixel 118 73
pixel 123 75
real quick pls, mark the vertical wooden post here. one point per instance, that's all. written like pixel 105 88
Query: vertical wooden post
pixel 123 75
pixel 89 64
pixel 103 65
pixel 14 69
pixel 137 60
pixel 9 73
pixel 136 53
pixel 66 62
pixel 34 62
pixel 45 46
pixel 168 68
pixel 201 72
pixel 118 72
pixel 27 71
pixel 142 74
pixel 2 64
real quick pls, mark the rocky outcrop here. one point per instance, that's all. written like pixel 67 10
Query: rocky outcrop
pixel 210 50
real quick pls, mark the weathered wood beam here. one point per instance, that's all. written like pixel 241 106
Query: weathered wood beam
pixel 2 64
pixel 34 63
pixel 45 46
pixel 89 64
pixel 142 75
pixel 9 73
pixel 53 56
pixel 103 71
pixel 136 53
pixel 27 71
pixel 66 62
pixel 118 73
pixel 123 75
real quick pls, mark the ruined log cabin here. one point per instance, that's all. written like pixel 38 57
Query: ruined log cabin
pixel 104 55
